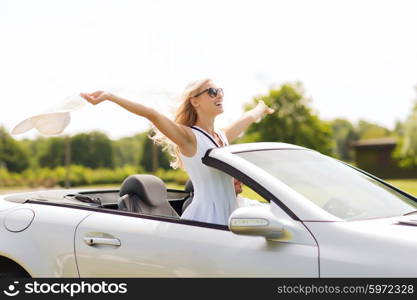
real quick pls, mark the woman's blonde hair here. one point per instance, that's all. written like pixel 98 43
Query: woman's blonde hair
pixel 184 115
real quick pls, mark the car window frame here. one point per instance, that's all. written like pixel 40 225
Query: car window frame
pixel 135 215
pixel 247 180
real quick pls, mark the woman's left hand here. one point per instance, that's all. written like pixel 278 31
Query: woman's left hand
pixel 266 110
pixel 261 110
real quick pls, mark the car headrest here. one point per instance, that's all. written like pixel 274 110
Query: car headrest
pixel 189 188
pixel 148 188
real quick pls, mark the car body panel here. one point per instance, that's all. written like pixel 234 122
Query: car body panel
pixel 18 220
pixel 372 248
pixel 151 248
pixel 6 205
pixel 46 247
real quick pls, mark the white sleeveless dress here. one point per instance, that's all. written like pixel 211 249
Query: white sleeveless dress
pixel 214 193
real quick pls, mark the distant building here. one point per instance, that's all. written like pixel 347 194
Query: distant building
pixel 375 156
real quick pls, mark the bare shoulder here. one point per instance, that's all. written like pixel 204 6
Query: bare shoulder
pixel 189 148
pixel 188 132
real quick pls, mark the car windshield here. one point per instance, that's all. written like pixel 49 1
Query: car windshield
pixel 337 188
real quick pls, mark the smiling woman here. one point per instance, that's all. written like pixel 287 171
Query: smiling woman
pixel 189 136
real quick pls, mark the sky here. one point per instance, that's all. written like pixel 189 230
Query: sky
pixel 355 59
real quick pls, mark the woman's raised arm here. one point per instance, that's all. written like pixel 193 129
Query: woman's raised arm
pixel 235 129
pixel 177 133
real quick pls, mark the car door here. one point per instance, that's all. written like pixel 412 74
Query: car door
pixel 120 244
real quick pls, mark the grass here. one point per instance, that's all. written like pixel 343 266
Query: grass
pixel 18 189
pixel 407 185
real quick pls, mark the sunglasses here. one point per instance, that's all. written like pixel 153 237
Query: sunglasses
pixel 212 92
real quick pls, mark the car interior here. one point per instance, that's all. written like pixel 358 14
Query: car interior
pixel 142 194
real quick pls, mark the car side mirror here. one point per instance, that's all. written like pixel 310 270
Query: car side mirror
pixel 255 221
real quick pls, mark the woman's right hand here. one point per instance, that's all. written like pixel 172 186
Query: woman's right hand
pixel 96 97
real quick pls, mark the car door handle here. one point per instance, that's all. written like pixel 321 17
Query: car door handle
pixel 91 241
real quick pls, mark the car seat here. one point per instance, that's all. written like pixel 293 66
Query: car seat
pixel 189 188
pixel 145 194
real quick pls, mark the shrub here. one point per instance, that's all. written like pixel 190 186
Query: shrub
pixel 178 176
pixel 79 175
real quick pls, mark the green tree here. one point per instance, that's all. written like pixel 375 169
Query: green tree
pixel 344 134
pixel 406 150
pixel 92 150
pixel 128 150
pixel 52 153
pixel 398 129
pixel 153 158
pixel 292 122
pixel 367 130
pixel 30 147
pixel 12 156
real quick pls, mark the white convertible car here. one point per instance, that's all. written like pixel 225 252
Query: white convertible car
pixel 325 219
